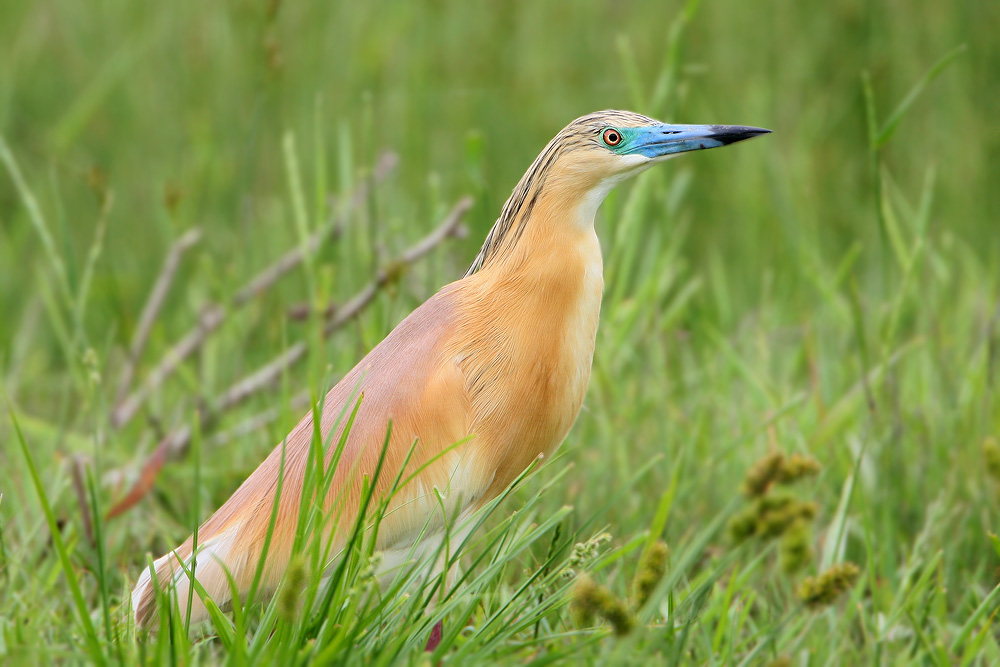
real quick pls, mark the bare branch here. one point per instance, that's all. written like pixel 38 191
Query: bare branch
pixel 150 470
pixel 214 315
pixel 176 444
pixel 258 421
pixel 387 162
pixel 81 498
pixel 208 322
pixel 179 440
pixel 152 308
pixel 451 226
pixel 271 372
pixel 261 378
pixel 338 315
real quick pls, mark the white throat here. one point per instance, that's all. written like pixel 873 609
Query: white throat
pixel 587 208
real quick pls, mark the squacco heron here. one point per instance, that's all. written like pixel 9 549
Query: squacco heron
pixel 498 361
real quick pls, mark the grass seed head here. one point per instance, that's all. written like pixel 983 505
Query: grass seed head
pixel 590 599
pixel 774 521
pixel 796 549
pixel 776 468
pixel 370 573
pixel 797 467
pixel 762 474
pixel 583 553
pixel 770 516
pixel 652 566
pixel 295 580
pixel 824 589
pixel 991 457
pixel 743 525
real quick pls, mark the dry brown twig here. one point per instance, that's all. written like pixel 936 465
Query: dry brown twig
pixel 156 298
pixel 450 227
pixel 175 444
pixel 214 315
pixel 76 469
pixel 258 421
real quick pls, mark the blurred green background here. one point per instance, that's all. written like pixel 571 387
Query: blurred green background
pixel 749 290
pixel 194 100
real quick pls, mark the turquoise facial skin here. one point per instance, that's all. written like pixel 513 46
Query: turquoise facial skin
pixel 659 140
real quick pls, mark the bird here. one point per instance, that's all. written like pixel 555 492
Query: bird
pixel 478 382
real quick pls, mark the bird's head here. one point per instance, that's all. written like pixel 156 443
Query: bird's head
pixel 601 149
pixel 577 169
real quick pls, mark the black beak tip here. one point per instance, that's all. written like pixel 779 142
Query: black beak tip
pixel 730 134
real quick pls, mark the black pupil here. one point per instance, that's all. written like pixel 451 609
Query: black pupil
pixel 612 137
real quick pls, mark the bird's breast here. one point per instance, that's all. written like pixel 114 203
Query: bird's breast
pixel 578 322
pixel 529 355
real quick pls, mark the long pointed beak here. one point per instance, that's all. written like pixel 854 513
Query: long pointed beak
pixel 662 140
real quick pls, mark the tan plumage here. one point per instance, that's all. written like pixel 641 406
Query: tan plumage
pixel 501 357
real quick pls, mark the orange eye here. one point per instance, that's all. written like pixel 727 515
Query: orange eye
pixel 612 137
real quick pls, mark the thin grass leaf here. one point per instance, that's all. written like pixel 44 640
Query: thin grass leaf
pixel 82 611
pixel 892 123
pixel 38 222
pixel 987 606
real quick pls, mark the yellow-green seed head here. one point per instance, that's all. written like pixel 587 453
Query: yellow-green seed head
pixel 797 467
pixel 991 457
pixel 295 579
pixel 770 516
pixel 762 474
pixel 591 599
pixel 651 569
pixel 824 589
pixel 796 549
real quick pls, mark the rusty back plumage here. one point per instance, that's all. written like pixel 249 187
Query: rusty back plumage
pixel 498 362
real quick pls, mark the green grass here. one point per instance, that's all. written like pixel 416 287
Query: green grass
pixel 830 291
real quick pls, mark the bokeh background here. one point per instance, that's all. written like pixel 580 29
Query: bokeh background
pixel 830 289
